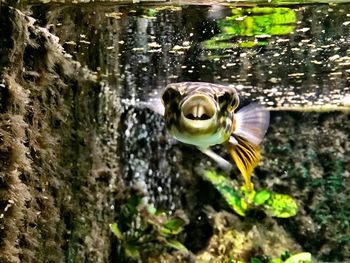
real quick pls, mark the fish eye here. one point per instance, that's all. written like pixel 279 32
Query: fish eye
pixel 229 100
pixel 169 94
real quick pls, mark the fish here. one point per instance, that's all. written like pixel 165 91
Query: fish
pixel 205 114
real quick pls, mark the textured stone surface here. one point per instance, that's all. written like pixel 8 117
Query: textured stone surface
pixel 51 171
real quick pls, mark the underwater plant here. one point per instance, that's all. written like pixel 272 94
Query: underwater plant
pixel 143 231
pixel 243 199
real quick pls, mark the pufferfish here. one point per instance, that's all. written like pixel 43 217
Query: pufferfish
pixel 204 114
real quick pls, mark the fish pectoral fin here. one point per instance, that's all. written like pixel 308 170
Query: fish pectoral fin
pixel 252 122
pixel 224 164
pixel 246 157
pixel 156 105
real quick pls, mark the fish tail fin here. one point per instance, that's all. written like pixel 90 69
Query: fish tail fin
pixel 246 156
pixel 251 123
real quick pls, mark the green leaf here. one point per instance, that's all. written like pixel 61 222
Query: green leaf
pixel 278 205
pixel 261 197
pixel 255 260
pixel 173 226
pixel 281 205
pixel 215 178
pixel 151 209
pixel 278 260
pixel 177 245
pixel 151 12
pixel 116 231
pixel 225 187
pixel 247 193
pixel 303 257
pixel 132 252
pixel 132 204
pixel 285 255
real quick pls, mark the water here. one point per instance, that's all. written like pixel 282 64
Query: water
pixel 283 52
pixel 294 59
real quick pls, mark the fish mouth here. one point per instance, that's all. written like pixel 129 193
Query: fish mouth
pixel 198 107
pixel 198 114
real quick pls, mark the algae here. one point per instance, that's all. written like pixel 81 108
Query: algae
pixel 50 208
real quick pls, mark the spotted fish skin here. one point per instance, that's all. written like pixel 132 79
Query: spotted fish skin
pixel 216 129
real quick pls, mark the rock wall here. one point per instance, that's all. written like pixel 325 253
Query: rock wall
pixel 54 189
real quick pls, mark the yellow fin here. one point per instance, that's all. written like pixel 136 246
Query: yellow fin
pixel 246 157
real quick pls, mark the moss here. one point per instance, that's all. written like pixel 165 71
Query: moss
pixel 306 156
pixel 51 206
pixel 235 239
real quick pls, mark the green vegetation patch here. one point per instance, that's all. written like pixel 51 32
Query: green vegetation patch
pixel 143 231
pixel 274 204
pixel 259 21
pixel 255 24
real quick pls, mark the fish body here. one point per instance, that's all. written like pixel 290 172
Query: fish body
pixel 204 114
pixel 199 113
